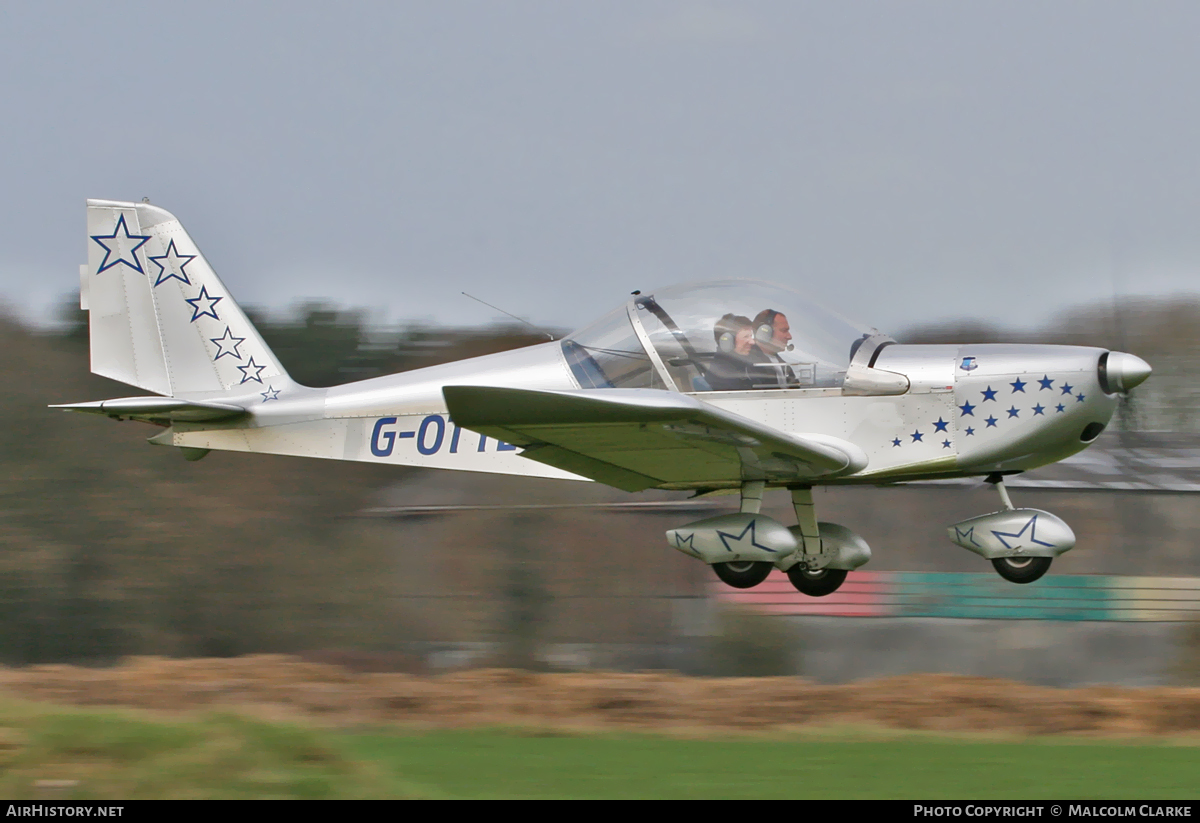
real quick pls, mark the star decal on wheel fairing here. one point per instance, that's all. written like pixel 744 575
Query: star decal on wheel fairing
pixel 989 394
pixel 120 240
pixel 246 369
pixel 1039 409
pixel 967 408
pixel 681 541
pixel 940 425
pixel 945 444
pixel 1060 408
pixel 1046 382
pixel 207 309
pixel 228 344
pixel 1014 412
pixel 174 265
pixel 970 431
pixel 750 528
pixel 991 422
pixel 1067 388
pixel 916 436
pixel 1079 399
pixel 271 393
pixel 1018 386
pixel 1031 526
pixel 896 442
pixel 969 534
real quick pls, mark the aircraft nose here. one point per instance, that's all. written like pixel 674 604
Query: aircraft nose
pixel 1120 371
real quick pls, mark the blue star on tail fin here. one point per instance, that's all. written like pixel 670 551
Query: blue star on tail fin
pixel 118 238
pixel 203 305
pixel 251 367
pixel 174 265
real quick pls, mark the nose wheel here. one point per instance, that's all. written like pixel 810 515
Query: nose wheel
pixel 1021 569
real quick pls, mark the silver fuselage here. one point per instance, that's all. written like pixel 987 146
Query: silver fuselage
pixel 969 410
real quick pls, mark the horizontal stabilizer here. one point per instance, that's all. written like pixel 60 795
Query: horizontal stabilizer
pixel 157 408
pixel 641 438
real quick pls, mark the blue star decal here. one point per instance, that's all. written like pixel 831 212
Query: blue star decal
pixel 271 393
pixel 916 436
pixel 1039 409
pixel 945 444
pixel 970 431
pixel 1060 407
pixel 246 369
pixel 119 240
pixel 1079 399
pixel 1014 412
pixel 206 310
pixel 725 538
pixel 1018 386
pixel 896 442
pixel 967 408
pixel 940 425
pixel 989 394
pixel 968 534
pixel 1046 382
pixel 1067 388
pixel 174 266
pixel 991 422
pixel 681 541
pixel 228 344
pixel 1031 526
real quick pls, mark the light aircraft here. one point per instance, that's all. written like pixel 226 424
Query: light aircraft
pixel 730 387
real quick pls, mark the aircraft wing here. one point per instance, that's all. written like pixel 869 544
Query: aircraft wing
pixel 637 439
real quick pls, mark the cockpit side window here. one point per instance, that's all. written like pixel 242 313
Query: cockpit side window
pixel 608 355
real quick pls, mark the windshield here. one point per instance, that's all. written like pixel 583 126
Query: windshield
pixel 730 335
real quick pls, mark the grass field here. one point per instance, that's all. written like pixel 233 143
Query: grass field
pixel 122 754
pixel 495 764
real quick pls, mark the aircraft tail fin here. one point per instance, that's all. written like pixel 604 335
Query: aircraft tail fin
pixel 159 317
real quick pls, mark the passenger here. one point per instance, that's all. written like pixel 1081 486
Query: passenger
pixel 732 367
pixel 772 334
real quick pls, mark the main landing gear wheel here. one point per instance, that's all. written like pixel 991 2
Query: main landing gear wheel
pixel 816 583
pixel 1021 569
pixel 744 575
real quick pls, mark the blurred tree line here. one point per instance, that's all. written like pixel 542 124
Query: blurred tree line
pixel 112 549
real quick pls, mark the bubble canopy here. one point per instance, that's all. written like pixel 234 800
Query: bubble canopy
pixel 729 335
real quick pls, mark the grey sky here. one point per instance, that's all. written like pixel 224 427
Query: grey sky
pixel 903 161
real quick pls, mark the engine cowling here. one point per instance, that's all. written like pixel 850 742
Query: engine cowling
pixel 1014 533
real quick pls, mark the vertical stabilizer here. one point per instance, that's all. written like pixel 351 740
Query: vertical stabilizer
pixel 159 317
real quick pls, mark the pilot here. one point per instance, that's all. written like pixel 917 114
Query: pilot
pixel 772 334
pixel 732 367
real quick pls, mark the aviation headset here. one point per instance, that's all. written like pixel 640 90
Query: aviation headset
pixel 727 338
pixel 765 332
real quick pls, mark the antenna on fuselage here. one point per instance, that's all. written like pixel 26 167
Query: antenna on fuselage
pixel 510 314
